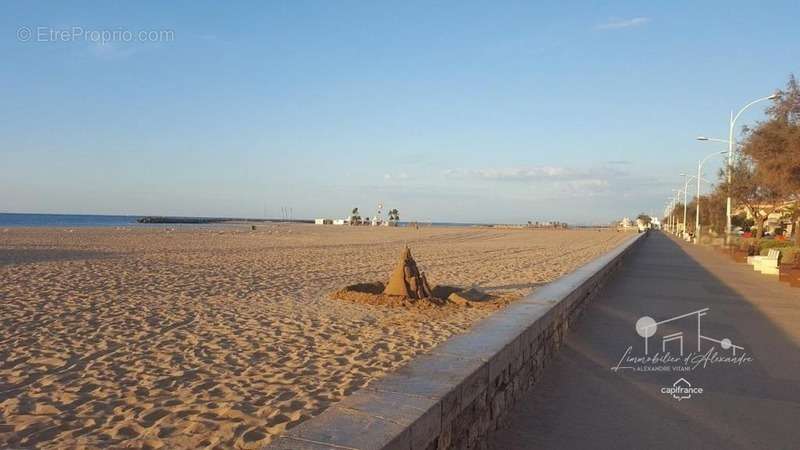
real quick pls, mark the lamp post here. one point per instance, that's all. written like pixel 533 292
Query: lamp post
pixel 731 145
pixel 703 138
pixel 677 194
pixel 699 175
pixel 671 214
pixel 675 201
pixel 668 215
pixel 686 179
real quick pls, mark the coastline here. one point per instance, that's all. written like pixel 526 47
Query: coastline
pixel 53 220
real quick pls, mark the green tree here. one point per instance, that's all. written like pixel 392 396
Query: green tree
pixel 355 217
pixel 774 147
pixel 749 189
pixel 713 213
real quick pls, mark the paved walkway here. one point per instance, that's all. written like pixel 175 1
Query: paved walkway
pixel 581 403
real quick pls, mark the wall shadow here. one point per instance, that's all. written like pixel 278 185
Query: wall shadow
pixel 579 402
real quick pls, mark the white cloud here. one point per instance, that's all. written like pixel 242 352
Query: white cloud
pixel 616 24
pixel 585 187
pixel 399 176
pixel 546 181
pixel 559 182
pixel 510 173
pixel 110 50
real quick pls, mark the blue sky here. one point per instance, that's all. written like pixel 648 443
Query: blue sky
pixel 448 111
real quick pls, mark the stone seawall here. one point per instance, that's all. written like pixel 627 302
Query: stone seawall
pixel 453 396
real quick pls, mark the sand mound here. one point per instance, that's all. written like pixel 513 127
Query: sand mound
pixel 406 280
pixel 374 294
pixel 408 287
pixel 468 296
pixel 441 296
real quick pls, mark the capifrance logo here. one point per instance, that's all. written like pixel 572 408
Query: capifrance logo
pixel 681 390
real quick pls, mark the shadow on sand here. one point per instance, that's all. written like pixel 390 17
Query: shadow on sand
pixel 10 257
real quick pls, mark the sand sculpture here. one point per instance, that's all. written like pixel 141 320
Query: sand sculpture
pixel 406 280
pixel 408 287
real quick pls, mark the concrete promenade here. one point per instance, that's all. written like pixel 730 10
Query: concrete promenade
pixel 580 402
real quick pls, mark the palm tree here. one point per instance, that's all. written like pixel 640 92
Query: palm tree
pixel 355 218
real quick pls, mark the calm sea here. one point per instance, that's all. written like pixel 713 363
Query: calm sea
pixel 64 220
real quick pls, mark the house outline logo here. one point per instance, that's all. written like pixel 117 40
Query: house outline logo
pixel 646 327
pixel 681 390
pixel 679 344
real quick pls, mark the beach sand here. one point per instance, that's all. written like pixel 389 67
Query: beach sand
pixel 222 336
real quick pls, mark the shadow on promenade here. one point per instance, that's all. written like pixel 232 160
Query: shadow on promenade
pixel 580 402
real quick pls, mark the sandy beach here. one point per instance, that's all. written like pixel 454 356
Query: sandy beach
pixel 223 336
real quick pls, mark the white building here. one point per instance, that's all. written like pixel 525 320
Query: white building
pixel 655 223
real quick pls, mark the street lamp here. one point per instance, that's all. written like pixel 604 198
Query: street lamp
pixel 703 138
pixel 731 146
pixel 699 175
pixel 687 179
pixel 685 200
pixel 675 200
pixel 668 214
pixel 675 222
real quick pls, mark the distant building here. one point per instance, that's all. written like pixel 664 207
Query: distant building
pixel 777 222
pixel 323 221
pixel 548 224
pixel 655 223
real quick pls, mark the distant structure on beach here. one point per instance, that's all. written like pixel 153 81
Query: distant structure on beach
pixel 377 219
pixel 394 218
pixel 354 218
pixel 549 224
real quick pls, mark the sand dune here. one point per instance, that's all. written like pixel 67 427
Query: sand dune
pixel 224 336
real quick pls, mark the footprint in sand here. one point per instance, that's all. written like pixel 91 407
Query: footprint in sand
pixel 152 417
